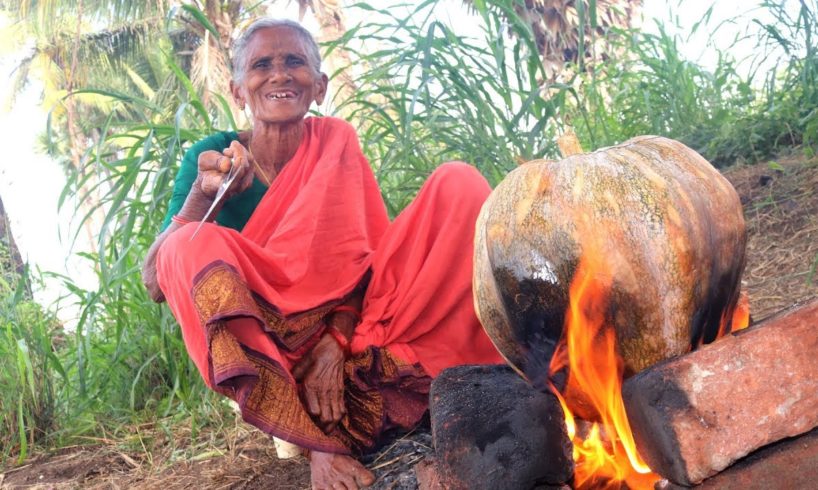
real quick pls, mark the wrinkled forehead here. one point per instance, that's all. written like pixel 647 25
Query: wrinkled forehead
pixel 272 41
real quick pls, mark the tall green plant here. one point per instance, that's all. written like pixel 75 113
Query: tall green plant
pixel 428 95
pixel 655 90
pixel 794 89
pixel 29 369
pixel 127 356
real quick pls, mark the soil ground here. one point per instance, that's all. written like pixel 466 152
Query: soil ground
pixel 780 202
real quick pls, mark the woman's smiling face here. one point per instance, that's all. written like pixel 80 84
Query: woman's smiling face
pixel 279 83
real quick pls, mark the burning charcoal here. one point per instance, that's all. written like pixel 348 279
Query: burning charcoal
pixel 491 429
pixel 695 415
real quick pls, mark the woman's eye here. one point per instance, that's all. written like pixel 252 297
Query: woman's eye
pixel 261 64
pixel 294 61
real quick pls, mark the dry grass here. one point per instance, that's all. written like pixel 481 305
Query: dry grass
pixel 781 209
pixel 239 457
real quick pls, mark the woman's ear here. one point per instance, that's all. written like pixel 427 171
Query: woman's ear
pixel 235 91
pixel 321 88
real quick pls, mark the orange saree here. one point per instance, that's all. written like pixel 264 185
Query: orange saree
pixel 250 304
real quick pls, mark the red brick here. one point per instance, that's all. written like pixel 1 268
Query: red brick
pixel 791 464
pixel 695 415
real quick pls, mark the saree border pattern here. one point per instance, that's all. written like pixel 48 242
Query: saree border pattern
pixel 219 293
pixel 381 390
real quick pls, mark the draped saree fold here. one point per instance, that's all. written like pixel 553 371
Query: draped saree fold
pixel 250 304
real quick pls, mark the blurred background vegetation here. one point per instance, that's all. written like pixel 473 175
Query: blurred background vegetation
pixel 132 83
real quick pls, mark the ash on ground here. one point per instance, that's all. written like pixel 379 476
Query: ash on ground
pixel 394 463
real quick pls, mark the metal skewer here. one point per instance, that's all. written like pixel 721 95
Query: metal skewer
pixel 231 175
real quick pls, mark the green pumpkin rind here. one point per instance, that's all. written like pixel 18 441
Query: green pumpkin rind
pixel 674 239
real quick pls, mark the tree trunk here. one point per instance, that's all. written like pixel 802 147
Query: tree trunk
pixel 77 142
pixel 13 267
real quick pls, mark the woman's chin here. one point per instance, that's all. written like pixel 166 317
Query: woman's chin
pixel 281 114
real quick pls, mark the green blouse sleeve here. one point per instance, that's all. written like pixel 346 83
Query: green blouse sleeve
pixel 189 169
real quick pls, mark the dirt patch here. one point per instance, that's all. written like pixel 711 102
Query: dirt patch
pixel 781 208
pixel 252 465
pixel 75 467
pixel 248 463
pixel 780 202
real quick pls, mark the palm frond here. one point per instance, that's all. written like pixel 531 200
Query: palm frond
pixel 20 80
pixel 209 70
pixel 575 32
pixel 50 16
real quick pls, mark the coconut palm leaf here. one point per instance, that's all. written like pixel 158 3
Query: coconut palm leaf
pixel 576 32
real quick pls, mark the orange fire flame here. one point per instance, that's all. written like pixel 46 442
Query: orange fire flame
pixel 606 456
pixel 740 319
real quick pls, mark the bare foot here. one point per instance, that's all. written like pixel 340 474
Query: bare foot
pixel 330 471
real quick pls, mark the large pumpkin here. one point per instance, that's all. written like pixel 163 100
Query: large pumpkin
pixel 672 235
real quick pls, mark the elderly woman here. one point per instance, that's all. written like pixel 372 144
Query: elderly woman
pixel 300 300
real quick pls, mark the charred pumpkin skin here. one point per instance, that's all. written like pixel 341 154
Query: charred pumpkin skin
pixel 672 233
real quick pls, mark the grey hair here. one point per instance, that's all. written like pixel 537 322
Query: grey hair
pixel 240 46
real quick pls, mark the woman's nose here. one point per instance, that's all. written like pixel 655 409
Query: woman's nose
pixel 280 73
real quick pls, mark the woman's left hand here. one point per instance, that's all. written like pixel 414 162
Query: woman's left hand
pixel 321 372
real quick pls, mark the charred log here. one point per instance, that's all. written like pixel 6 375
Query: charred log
pixel 490 429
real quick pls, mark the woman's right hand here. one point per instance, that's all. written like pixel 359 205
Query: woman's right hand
pixel 321 374
pixel 214 167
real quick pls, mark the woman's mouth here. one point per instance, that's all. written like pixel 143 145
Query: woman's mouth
pixel 281 95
